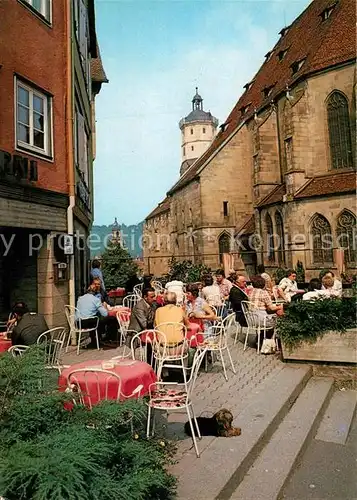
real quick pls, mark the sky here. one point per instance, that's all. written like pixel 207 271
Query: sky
pixel 155 52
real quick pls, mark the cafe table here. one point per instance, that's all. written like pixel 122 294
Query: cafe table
pixel 5 343
pixel 132 373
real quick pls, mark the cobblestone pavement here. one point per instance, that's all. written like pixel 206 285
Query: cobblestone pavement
pixel 212 391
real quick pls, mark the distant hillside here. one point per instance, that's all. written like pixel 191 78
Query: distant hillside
pixel 132 237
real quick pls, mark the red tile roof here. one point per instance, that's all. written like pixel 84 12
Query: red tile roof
pixel 162 207
pixel 248 227
pixel 336 183
pixel 97 70
pixel 275 196
pixel 321 44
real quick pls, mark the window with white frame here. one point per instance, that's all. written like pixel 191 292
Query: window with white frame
pixel 83 39
pixel 33 119
pixel 43 7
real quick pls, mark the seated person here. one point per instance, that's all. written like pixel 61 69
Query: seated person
pixel 224 285
pixel 314 292
pixel 29 326
pixel 237 295
pixel 198 309
pixel 143 313
pixel 267 278
pixel 289 286
pixel 100 293
pixel 211 292
pixel 171 313
pixel 336 287
pixel 177 288
pixel 328 286
pixel 263 304
pixel 89 307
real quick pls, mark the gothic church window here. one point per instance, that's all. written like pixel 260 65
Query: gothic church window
pixel 224 244
pixel 339 129
pixel 346 235
pixel 270 238
pixel 322 246
pixel 280 237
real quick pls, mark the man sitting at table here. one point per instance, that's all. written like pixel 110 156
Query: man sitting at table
pixel 336 289
pixel 238 294
pixel 289 286
pixel 211 292
pixel 143 313
pixel 29 325
pixel 224 285
pixel 89 308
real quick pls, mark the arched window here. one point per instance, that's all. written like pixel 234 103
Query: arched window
pixel 270 238
pixel 346 235
pixel 322 247
pixel 224 244
pixel 339 129
pixel 280 238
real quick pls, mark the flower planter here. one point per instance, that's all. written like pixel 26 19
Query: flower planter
pixel 332 347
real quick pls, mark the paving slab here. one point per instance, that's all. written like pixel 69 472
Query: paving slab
pixel 267 476
pixel 224 461
pixel 337 420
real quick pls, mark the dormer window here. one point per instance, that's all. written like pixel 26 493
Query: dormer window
pixel 267 91
pixel 297 65
pixel 248 85
pixel 245 109
pixel 326 13
pixel 284 31
pixel 268 55
pixel 282 54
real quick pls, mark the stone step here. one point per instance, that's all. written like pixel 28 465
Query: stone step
pixel 222 466
pixel 270 472
pixel 337 420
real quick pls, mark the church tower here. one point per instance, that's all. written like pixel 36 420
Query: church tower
pixel 198 129
pixel 116 234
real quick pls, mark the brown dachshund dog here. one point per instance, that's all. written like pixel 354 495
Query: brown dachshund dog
pixel 219 425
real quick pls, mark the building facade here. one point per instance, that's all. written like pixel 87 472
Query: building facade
pixel 277 185
pixel 39 181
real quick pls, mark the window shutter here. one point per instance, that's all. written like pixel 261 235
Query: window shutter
pixel 81 144
pixel 82 29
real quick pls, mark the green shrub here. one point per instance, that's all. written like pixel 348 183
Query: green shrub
pixel 50 453
pixel 186 271
pixel 309 320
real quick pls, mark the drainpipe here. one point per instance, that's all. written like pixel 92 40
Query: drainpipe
pixel 69 133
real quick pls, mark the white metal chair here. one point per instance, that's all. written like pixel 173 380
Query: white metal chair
pixel 138 289
pixel 171 396
pixel 88 383
pixel 139 347
pixel 123 319
pixel 255 322
pixel 217 341
pixel 131 300
pixel 170 354
pixel 53 340
pixel 75 326
pixel 17 350
pixel 277 298
pixel 157 286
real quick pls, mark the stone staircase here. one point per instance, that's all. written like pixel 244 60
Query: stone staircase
pixel 278 421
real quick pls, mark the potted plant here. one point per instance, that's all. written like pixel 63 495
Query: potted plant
pixel 320 330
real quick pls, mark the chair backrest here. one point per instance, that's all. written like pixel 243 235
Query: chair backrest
pixel 157 286
pixel 275 293
pixel 131 300
pixel 229 321
pixel 197 361
pixel 138 289
pixel 139 346
pixel 17 350
pixel 123 319
pixel 93 385
pixel 70 312
pixel 53 340
pixel 251 313
pixel 163 346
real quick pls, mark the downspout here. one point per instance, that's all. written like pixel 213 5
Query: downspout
pixel 69 131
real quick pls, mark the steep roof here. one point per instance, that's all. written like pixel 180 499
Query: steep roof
pixel 97 70
pixel 248 227
pixel 329 184
pixel 162 207
pixel 311 41
pixel 275 196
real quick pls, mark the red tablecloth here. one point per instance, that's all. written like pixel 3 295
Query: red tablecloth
pixel 194 335
pixel 5 345
pixel 132 374
pixel 119 292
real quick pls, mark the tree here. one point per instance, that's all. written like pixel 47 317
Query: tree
pixel 186 271
pixel 118 266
